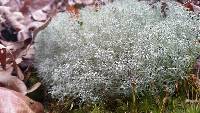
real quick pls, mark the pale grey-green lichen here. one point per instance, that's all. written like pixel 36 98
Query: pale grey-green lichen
pixel 123 41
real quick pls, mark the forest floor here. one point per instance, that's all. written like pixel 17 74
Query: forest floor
pixel 20 23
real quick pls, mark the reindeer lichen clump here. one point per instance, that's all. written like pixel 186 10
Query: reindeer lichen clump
pixel 123 41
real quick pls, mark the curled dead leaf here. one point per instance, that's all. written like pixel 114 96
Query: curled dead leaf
pixel 39 15
pixel 6 72
pixel 3 56
pixel 34 87
pixel 13 83
pixel 19 73
pixel 14 102
pixel 38 27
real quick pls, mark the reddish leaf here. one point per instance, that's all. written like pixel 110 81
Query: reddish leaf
pixel 6 72
pixel 73 10
pixel 3 56
pixel 14 102
pixel 189 6
pixel 13 83
pixel 26 5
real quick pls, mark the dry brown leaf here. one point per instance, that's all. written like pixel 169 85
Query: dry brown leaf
pixel 19 73
pixel 34 87
pixel 39 15
pixel 25 8
pixel 6 72
pixel 37 28
pixel 14 102
pixel 3 2
pixel 23 34
pixel 22 48
pixel 19 17
pixel 16 67
pixel 73 10
pixel 12 46
pixel 87 2
pixel 196 8
pixel 29 53
pixel 10 17
pixel 3 56
pixel 13 83
pixel 18 60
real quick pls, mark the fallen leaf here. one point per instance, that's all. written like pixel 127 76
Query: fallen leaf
pixel 3 2
pixel 18 60
pixel 36 28
pixel 14 102
pixel 39 15
pixel 6 72
pixel 19 73
pixel 196 8
pixel 3 56
pixel 29 53
pixel 13 83
pixel 34 87
pixel 189 6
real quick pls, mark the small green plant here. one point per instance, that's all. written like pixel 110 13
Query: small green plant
pixel 191 108
pixel 96 109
